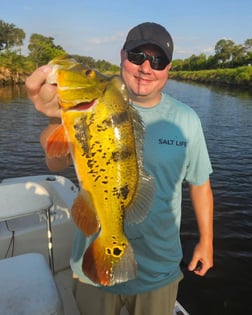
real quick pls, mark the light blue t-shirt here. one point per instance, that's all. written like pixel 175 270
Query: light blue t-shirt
pixel 174 151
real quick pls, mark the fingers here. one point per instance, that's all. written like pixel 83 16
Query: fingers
pixel 202 260
pixel 42 94
pixel 36 80
pixel 198 268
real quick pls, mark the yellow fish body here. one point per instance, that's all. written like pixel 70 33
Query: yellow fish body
pixel 104 135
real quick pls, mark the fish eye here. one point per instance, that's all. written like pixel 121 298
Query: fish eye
pixel 90 73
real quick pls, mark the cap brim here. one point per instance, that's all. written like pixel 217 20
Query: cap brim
pixel 133 44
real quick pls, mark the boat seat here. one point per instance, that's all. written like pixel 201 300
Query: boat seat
pixel 27 287
pixel 23 199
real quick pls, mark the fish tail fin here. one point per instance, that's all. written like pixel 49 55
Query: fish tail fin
pixel 57 143
pixel 108 265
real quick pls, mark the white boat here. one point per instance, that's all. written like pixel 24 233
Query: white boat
pixel 27 234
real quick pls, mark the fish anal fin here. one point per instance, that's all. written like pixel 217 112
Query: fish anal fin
pixel 84 215
pixel 57 143
pixel 103 268
pixel 139 208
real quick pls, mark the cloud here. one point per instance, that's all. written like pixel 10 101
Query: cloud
pixel 117 37
pixel 185 47
pixel 208 50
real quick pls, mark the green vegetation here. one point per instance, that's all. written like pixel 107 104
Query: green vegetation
pixel 227 55
pixel 14 67
pixel 241 76
pixel 10 36
pixel 230 64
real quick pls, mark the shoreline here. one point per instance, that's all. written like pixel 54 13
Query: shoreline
pixel 238 77
pixel 7 78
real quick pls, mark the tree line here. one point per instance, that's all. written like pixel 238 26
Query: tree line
pixel 42 49
pixel 227 55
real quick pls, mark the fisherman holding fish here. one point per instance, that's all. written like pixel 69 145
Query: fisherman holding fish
pixel 132 147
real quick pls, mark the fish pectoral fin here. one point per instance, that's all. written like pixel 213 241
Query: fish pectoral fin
pixel 84 215
pixel 108 266
pixel 57 143
pixel 138 210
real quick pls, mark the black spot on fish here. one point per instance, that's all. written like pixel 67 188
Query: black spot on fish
pixel 117 251
pixel 119 118
pixel 101 128
pixel 92 172
pixel 115 192
pixel 96 179
pixel 90 163
pixel 121 155
pixel 107 122
pixel 82 134
pixel 124 191
pixel 111 140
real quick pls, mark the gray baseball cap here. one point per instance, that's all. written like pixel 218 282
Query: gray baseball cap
pixel 150 33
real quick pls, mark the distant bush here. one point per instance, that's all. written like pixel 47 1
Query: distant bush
pixel 241 76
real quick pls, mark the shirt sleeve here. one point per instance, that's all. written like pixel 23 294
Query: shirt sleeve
pixel 198 166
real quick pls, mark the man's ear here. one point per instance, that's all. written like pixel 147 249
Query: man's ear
pixel 169 66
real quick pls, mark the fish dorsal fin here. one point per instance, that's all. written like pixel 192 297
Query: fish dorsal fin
pixel 139 208
pixel 84 214
pixel 137 211
pixel 57 143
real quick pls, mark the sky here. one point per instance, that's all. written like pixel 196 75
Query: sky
pixel 98 28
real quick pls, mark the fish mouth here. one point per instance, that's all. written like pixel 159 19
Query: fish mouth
pixel 83 106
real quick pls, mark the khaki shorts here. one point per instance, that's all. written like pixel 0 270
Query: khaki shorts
pixel 94 301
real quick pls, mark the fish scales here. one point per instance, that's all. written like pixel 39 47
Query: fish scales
pixel 99 127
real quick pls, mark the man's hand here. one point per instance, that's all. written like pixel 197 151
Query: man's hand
pixel 202 200
pixel 202 259
pixel 42 94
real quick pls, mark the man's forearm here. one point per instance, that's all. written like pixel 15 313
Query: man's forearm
pixel 202 200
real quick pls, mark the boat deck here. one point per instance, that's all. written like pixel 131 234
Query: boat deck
pixel 16 233
pixel 64 282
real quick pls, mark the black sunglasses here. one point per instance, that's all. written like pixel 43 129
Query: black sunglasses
pixel 156 62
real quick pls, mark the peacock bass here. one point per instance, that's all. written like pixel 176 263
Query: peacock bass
pixel 104 135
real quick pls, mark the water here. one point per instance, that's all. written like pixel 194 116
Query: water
pixel 20 128
pixel 226 116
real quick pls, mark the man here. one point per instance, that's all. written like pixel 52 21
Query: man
pixel 174 151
